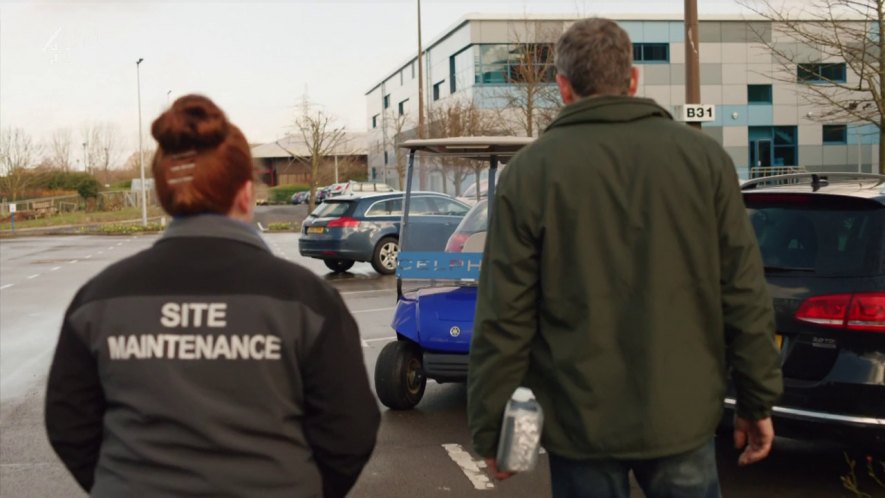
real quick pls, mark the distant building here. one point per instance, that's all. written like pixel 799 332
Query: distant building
pixel 287 160
pixel 761 118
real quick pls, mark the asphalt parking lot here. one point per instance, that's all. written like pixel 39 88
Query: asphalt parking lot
pixel 424 452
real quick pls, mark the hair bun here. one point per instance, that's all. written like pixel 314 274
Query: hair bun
pixel 193 122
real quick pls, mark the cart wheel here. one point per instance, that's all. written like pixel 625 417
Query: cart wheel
pixel 338 265
pixel 384 257
pixel 399 376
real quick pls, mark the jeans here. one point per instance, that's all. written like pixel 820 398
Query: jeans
pixel 688 475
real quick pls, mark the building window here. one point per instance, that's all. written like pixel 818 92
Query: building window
pixel 413 69
pixel 401 108
pixel 821 73
pixel 401 77
pixel 835 134
pixel 385 101
pixel 501 64
pixel 651 52
pixel 759 94
pixel 375 121
pixel 436 89
pixel 452 85
pixel 385 157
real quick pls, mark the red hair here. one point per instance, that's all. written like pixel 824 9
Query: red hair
pixel 202 160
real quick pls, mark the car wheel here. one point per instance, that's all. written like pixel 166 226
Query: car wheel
pixel 338 265
pixel 399 376
pixel 384 257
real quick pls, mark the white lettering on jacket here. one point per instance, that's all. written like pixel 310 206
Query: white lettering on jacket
pixel 194 347
pixel 193 315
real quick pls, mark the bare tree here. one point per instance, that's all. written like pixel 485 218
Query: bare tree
pixel 530 96
pixel 321 135
pixel 401 129
pixel 460 118
pixel 102 148
pixel 832 30
pixel 60 148
pixel 18 152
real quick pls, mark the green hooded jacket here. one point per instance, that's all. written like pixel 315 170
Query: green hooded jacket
pixel 621 280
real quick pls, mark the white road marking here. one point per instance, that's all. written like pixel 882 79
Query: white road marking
pixel 6 286
pixel 34 276
pixel 119 244
pixel 473 468
pixel 364 343
pixel 111 248
pixel 261 227
pixel 73 261
pixel 373 310
pixel 378 339
pixel 351 293
pixel 56 268
pixel 99 252
pixel 87 257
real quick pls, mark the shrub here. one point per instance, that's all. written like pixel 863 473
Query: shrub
pixel 282 193
pixel 279 227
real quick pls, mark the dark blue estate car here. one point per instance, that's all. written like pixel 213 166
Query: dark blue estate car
pixel 822 238
pixel 346 229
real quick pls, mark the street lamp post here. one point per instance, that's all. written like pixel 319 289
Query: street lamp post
pixel 140 148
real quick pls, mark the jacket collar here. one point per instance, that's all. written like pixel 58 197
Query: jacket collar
pixel 214 225
pixel 608 109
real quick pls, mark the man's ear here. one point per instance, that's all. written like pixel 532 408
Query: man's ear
pixel 565 89
pixel 634 81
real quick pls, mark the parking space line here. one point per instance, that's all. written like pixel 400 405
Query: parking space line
pixel 87 257
pixel 473 468
pixel 33 276
pixel 73 261
pixel 56 268
pixel 6 286
pixel 373 310
pixel 378 339
pixel 364 343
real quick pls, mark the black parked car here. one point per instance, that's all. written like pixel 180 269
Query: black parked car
pixel 345 229
pixel 822 238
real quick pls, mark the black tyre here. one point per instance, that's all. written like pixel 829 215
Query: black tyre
pixel 399 376
pixel 384 257
pixel 338 265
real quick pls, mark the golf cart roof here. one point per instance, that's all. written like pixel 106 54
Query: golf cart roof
pixel 472 147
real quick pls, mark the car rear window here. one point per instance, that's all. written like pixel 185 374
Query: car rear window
pixel 332 209
pixel 820 235
pixel 477 220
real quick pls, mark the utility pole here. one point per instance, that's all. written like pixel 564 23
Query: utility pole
pixel 422 176
pixel 692 57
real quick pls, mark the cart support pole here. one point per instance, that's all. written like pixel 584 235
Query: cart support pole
pixel 407 198
pixel 493 173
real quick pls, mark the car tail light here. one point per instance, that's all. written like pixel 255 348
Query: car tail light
pixel 867 312
pixel 456 242
pixel 863 311
pixel 343 222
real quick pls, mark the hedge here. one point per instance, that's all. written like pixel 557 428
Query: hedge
pixel 282 193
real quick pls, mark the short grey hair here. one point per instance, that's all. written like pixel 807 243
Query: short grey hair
pixel 596 56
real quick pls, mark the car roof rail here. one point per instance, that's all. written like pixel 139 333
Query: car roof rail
pixel 815 180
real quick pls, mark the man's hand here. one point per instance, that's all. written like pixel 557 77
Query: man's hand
pixel 754 437
pixel 492 464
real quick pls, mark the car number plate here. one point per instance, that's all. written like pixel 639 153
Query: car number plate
pixel 315 229
pixel 779 340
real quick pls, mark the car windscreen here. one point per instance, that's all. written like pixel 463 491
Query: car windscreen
pixel 332 209
pixel 821 235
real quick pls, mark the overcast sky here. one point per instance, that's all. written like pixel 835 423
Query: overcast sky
pixel 66 64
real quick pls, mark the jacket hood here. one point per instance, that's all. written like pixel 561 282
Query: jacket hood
pixel 608 109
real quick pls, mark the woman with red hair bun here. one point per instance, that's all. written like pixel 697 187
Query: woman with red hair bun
pixel 204 365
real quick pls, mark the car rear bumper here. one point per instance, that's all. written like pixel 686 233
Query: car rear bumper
pixel 445 367
pixel 853 430
pixel 331 249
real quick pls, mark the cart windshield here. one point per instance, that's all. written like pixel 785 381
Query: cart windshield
pixel 442 234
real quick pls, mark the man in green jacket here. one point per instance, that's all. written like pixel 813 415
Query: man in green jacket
pixel 622 282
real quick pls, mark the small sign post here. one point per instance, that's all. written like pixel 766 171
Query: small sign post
pixel 12 215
